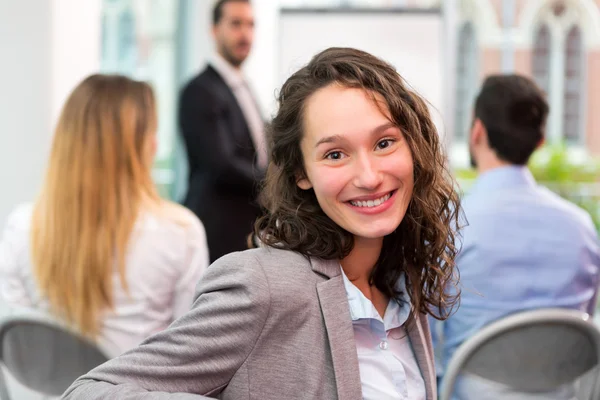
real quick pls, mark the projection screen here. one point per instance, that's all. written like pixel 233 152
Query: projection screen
pixel 409 40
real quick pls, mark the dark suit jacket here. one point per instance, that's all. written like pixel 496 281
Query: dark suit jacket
pixel 223 177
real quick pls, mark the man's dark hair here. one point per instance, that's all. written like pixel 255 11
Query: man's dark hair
pixel 513 110
pixel 218 9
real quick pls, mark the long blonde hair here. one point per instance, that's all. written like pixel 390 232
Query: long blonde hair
pixel 98 176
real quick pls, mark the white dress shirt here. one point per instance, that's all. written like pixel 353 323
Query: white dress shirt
pixel 388 366
pixel 165 258
pixel 238 85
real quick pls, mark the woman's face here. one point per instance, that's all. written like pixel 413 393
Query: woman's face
pixel 357 162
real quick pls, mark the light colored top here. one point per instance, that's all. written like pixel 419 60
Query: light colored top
pixel 267 324
pixel 166 256
pixel 524 248
pixel 387 363
pixel 238 85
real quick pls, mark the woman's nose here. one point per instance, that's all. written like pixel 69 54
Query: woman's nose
pixel 368 175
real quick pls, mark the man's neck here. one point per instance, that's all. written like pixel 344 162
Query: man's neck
pixel 490 163
pixel 238 68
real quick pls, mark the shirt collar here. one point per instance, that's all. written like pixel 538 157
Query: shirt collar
pixel 233 77
pixel 503 177
pixel 362 308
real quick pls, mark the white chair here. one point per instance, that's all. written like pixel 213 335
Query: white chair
pixel 43 355
pixel 532 351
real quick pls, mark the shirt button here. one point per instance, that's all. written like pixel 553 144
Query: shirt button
pixel 383 345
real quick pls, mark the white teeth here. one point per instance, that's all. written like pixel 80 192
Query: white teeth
pixel 371 203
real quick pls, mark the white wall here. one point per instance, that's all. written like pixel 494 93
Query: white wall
pixel 47 47
pixel 25 100
pixel 261 66
pixel 76 34
pixel 389 36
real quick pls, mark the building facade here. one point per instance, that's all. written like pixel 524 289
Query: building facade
pixel 557 42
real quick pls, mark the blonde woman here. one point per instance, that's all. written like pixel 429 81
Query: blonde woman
pixel 99 249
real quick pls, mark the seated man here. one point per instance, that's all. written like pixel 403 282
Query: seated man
pixel 524 247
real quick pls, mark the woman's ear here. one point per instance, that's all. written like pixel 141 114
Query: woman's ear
pixel 304 183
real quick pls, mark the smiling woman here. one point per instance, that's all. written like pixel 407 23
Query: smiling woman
pixel 351 130
pixel 361 174
pixel 358 250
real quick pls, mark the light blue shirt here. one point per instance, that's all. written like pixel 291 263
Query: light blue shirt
pixel 524 248
pixel 387 364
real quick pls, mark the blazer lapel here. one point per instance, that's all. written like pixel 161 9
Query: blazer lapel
pixel 419 339
pixel 242 137
pixel 338 323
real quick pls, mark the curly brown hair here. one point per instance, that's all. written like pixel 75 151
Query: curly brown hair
pixel 423 246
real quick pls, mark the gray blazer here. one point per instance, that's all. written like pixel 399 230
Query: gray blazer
pixel 266 324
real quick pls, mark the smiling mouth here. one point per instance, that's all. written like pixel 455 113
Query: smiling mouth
pixel 371 203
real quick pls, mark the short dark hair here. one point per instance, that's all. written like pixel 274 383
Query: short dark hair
pixel 513 110
pixel 218 9
pixel 423 246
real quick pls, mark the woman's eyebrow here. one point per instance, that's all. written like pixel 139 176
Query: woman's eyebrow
pixel 339 138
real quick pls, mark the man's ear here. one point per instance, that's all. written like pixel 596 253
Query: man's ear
pixel 304 183
pixel 478 133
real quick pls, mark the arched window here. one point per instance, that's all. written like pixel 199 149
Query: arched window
pixel 572 86
pixel 466 80
pixel 541 58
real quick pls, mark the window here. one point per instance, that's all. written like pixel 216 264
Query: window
pixel 541 58
pixel 466 80
pixel 558 67
pixel 139 40
pixel 572 86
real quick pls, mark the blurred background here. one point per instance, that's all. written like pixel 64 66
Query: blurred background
pixel 442 47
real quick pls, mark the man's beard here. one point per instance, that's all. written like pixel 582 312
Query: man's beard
pixel 231 58
pixel 471 155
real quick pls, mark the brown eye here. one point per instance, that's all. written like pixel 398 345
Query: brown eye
pixel 384 144
pixel 334 155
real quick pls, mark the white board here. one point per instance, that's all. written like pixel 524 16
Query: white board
pixel 410 41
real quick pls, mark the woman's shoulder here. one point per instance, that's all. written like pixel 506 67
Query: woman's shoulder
pixel 286 271
pixel 172 218
pixel 20 217
pixel 14 241
pixel 268 258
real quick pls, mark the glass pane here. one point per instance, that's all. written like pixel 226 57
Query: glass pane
pixel 572 89
pixel 541 58
pixel 139 40
pixel 466 79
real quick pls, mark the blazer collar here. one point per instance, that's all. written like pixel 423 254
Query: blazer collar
pixel 329 268
pixel 233 77
pixel 338 323
pixel 420 339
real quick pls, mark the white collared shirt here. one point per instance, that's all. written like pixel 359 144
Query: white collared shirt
pixel 238 85
pixel 387 363
pixel 166 255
